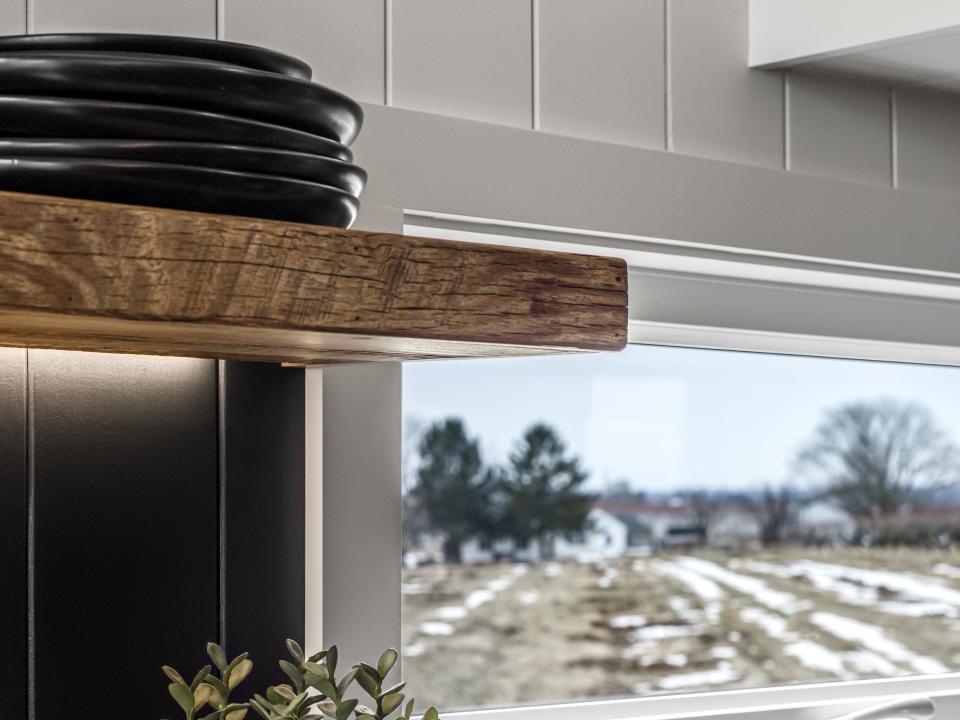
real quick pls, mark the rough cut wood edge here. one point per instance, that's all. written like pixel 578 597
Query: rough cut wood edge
pixel 115 278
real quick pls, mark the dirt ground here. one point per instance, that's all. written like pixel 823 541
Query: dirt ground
pixel 506 634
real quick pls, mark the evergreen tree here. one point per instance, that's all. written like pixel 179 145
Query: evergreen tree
pixel 453 491
pixel 540 491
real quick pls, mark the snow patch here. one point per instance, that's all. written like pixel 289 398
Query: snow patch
pixel 553 569
pixel 437 628
pixel 414 650
pixel 723 674
pixel 452 612
pixel 628 621
pixel 754 587
pixel 478 598
pixel 876 640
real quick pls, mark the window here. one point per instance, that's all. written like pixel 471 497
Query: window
pixel 667 520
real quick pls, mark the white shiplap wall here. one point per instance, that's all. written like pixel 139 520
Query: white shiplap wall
pixel 662 74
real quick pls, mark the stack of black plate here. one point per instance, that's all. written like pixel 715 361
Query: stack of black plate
pixel 176 122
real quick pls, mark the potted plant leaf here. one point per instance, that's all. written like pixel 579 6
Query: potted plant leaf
pixel 314 691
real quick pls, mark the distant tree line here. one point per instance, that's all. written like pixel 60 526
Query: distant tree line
pixel 881 462
pixel 537 495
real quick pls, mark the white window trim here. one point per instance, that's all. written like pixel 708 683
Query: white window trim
pixel 856 311
pixel 821 701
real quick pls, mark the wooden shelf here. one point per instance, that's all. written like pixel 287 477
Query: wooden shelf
pixel 82 275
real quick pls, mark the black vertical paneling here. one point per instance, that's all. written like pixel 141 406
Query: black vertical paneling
pixel 13 532
pixel 126 563
pixel 262 430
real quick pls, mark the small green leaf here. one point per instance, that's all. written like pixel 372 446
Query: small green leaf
pixel 328 708
pixel 367 682
pixel 332 655
pixel 173 675
pixel 318 670
pixel 345 708
pixel 431 714
pixel 386 662
pixel 327 688
pixel 295 650
pixel 267 705
pixel 217 684
pixel 183 695
pixel 408 711
pixel 365 716
pixel 200 676
pixel 395 689
pixel 291 706
pixel 391 702
pixel 346 681
pixel 217 698
pixel 236 661
pixel 238 714
pixel 293 673
pixel 217 655
pixel 275 697
pixel 372 672
pixel 202 694
pixel 260 709
pixel 239 673
pixel 317 656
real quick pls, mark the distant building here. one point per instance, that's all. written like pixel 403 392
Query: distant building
pixel 625 526
pixel 823 521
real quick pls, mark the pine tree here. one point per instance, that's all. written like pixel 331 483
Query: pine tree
pixel 540 491
pixel 453 490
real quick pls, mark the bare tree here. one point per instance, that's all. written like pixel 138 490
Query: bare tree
pixel 880 458
pixel 774 509
pixel 703 508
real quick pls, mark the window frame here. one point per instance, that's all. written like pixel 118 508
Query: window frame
pixel 864 298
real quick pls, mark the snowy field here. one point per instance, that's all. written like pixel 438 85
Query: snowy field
pixel 508 634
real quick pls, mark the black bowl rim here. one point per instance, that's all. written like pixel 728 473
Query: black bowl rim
pixel 9 149
pixel 288 102
pixel 65 103
pixel 273 60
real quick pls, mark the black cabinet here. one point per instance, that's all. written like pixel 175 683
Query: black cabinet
pixel 143 503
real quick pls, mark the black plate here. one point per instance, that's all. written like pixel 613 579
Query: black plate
pixel 78 118
pixel 185 83
pixel 181 187
pixel 262 161
pixel 248 56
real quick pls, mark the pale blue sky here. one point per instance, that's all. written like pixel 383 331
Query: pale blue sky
pixel 668 418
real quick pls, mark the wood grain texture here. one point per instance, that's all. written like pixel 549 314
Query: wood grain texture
pixel 97 276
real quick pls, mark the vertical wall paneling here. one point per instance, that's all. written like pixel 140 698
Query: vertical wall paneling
pixel 721 109
pixel 125 468
pixel 388 52
pixel 928 141
pixel 343 40
pixel 464 58
pixel 197 18
pixel 840 128
pixel 13 530
pixel 602 70
pixel 361 507
pixel 262 430
pixel 13 17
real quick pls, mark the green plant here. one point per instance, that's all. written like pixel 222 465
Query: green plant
pixel 208 689
pixel 314 690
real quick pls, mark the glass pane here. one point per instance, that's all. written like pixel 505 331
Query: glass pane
pixel 674 520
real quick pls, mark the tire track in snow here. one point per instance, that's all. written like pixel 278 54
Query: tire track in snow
pixel 712 597
pixel 879 649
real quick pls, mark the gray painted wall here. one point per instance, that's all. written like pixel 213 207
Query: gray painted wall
pixel 663 74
